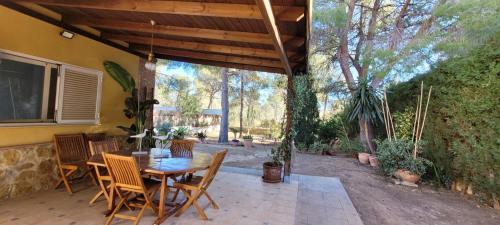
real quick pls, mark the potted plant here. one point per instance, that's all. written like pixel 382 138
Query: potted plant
pixel 247 141
pixel 363 156
pixel 373 160
pixel 272 169
pixel 180 132
pixel 396 159
pixel 201 136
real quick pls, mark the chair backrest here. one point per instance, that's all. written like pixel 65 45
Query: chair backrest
pixel 182 145
pixel 217 160
pixel 94 137
pixel 70 148
pixel 124 172
pixel 98 147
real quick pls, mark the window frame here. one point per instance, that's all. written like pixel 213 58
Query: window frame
pixel 49 64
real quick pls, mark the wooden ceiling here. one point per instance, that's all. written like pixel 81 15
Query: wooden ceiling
pixel 263 35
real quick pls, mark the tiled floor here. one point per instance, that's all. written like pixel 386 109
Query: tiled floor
pixel 244 200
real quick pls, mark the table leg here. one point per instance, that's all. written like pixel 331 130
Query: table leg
pixel 111 202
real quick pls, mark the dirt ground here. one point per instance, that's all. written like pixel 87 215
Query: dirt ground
pixel 377 200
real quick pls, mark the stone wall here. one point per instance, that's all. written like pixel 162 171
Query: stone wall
pixel 27 168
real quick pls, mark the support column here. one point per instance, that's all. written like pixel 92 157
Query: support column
pixel 146 87
pixel 290 92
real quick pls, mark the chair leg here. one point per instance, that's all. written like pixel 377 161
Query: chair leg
pixel 186 205
pixel 117 208
pixel 200 210
pixel 141 213
pixel 211 200
pixel 65 180
pixel 99 194
pixel 175 195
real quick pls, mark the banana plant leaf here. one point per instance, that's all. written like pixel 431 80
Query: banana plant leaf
pixel 120 75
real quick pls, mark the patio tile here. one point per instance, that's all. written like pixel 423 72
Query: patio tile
pixel 243 199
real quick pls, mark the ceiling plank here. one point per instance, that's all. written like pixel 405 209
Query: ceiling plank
pixel 213 57
pixel 243 11
pixel 268 17
pixel 224 49
pixel 257 38
pixel 221 64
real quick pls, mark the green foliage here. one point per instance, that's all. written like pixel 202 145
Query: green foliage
pixel 463 121
pixel 403 122
pixel 120 75
pixel 164 128
pixel 180 132
pixel 305 113
pixel 234 130
pixel 247 137
pixel 327 130
pixel 318 147
pixel 397 154
pixel 365 104
pixel 284 151
pixel 347 145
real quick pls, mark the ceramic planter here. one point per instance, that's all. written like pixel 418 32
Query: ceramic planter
pixel 247 143
pixel 407 176
pixel 373 160
pixel 363 158
pixel 272 172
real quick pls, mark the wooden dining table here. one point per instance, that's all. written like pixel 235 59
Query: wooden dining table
pixel 159 163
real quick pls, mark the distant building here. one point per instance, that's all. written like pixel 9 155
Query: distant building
pixel 166 114
pixel 211 116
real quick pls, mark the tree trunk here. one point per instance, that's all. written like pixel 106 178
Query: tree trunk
pixel 241 103
pixel 366 134
pixel 288 128
pixel 224 124
pixel 210 99
pixel 324 107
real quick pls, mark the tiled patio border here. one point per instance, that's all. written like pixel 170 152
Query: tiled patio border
pixel 320 200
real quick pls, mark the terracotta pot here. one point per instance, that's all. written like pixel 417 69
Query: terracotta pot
pixel 373 160
pixel 355 155
pixel 247 143
pixel 407 176
pixel 272 172
pixel 363 158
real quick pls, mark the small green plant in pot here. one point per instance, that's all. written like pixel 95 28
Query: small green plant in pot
pixel 247 141
pixel 180 133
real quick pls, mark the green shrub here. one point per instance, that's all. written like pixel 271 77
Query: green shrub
pixel 247 137
pixel 318 147
pixel 327 130
pixel 397 154
pixel 403 122
pixel 305 112
pixel 180 132
pixel 463 121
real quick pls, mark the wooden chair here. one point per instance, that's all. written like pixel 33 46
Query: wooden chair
pixel 126 180
pixel 182 148
pixel 98 147
pixel 71 155
pixel 93 137
pixel 196 187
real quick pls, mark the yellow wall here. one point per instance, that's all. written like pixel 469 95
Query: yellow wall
pixel 24 34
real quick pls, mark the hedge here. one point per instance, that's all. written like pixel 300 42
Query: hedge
pixel 462 127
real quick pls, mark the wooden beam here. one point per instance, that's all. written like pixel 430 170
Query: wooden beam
pixel 244 11
pixel 197 46
pixel 268 17
pixel 257 38
pixel 214 57
pixel 69 27
pixel 221 64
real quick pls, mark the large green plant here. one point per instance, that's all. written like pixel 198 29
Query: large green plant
pixel 364 107
pixel 463 122
pixel 135 108
pixel 305 113
pixel 397 154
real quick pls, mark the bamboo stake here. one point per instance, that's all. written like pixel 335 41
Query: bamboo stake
pixel 385 121
pixel 425 113
pixel 415 121
pixel 418 121
pixel 389 117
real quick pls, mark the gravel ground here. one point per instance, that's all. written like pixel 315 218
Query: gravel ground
pixel 376 198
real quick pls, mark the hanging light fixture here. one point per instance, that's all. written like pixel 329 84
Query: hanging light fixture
pixel 151 63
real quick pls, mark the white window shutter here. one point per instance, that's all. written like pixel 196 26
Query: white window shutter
pixel 79 98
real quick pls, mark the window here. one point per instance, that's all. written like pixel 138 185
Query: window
pixel 34 90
